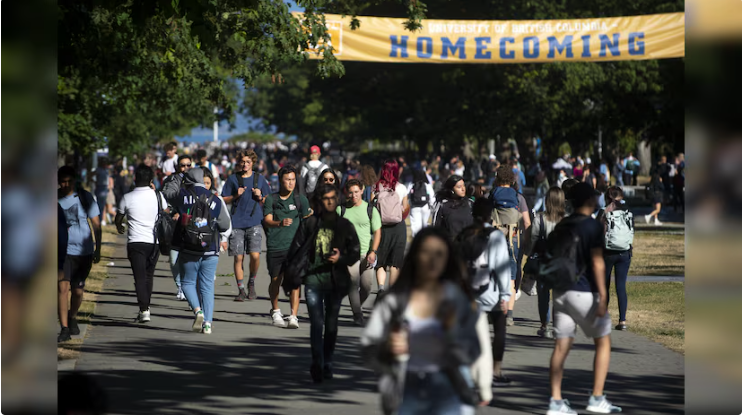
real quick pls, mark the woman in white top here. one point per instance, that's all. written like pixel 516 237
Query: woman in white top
pixel 543 224
pixel 420 204
pixel 422 337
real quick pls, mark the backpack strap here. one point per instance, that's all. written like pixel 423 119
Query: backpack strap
pixel 297 203
pixel 254 186
pixel 370 210
pixel 240 180
pixel 342 210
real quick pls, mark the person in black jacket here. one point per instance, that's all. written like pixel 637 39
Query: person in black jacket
pixel 453 211
pixel 324 246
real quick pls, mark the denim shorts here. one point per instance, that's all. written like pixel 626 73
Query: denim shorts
pixel 245 241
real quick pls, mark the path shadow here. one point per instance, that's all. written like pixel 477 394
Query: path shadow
pixel 271 370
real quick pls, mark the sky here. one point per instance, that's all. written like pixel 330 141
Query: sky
pixel 243 123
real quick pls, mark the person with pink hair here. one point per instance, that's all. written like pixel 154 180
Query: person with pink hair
pixel 391 200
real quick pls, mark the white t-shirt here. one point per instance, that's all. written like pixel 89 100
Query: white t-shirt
pixel 168 166
pixel 140 208
pixel 401 191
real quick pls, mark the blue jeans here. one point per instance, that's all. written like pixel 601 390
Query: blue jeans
pixel 543 303
pixel 199 269
pixel 174 267
pixel 431 394
pixel 323 305
pixel 621 263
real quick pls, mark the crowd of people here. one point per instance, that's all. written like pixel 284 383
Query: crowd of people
pixel 429 333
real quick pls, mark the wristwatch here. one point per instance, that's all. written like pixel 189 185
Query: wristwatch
pixel 373 250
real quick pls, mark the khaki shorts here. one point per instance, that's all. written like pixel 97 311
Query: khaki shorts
pixel 578 308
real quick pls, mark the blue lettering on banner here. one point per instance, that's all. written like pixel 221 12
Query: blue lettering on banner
pixel 482 52
pixel 400 44
pixel 555 46
pixel 636 47
pixel 504 54
pixel 605 43
pixel 460 46
pixel 427 44
pixel 586 47
pixel 527 52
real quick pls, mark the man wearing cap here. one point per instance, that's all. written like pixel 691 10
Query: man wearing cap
pixel 311 171
pixel 584 304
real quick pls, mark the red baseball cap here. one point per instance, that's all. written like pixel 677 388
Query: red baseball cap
pixel 314 150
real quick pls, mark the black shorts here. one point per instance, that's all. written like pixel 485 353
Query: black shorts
pixel 276 262
pixel 76 270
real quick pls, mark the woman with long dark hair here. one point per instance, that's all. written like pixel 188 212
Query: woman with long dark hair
pixel 391 199
pixel 453 211
pixel 422 335
pixel 619 237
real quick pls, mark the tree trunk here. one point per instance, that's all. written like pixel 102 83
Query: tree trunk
pixel 644 154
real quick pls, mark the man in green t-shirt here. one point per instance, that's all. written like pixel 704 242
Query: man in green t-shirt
pixel 367 222
pixel 283 212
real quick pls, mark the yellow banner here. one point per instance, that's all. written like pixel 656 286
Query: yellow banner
pixel 659 36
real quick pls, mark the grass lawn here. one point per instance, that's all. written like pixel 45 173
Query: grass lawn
pixel 656 310
pixel 657 254
pixel 94 284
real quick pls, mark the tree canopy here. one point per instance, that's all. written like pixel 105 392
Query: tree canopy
pixel 134 71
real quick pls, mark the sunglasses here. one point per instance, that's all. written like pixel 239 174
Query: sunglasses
pixel 184 165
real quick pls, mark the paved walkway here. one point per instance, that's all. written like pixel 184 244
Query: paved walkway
pixel 248 366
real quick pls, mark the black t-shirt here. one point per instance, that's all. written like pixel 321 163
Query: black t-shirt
pixel 591 236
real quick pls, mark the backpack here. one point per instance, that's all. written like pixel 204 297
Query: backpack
pixel 558 268
pixel 241 183
pixel 199 232
pixel 164 227
pixel 505 215
pixel 420 195
pixel 312 177
pixel 619 235
pixel 472 242
pixel 389 205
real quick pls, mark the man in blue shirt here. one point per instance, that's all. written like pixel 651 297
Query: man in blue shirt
pixel 79 207
pixel 246 192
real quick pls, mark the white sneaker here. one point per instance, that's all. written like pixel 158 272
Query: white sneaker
pixel 601 405
pixel 206 329
pixel 181 295
pixel 517 295
pixel 277 317
pixel 560 408
pixel 144 316
pixel 199 321
pixel 657 222
pixel 293 322
pixel 647 218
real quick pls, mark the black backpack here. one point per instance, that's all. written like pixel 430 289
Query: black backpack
pixel 558 268
pixel 420 195
pixel 200 233
pixel 164 227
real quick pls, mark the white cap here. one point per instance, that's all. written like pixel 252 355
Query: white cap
pixel 492 157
